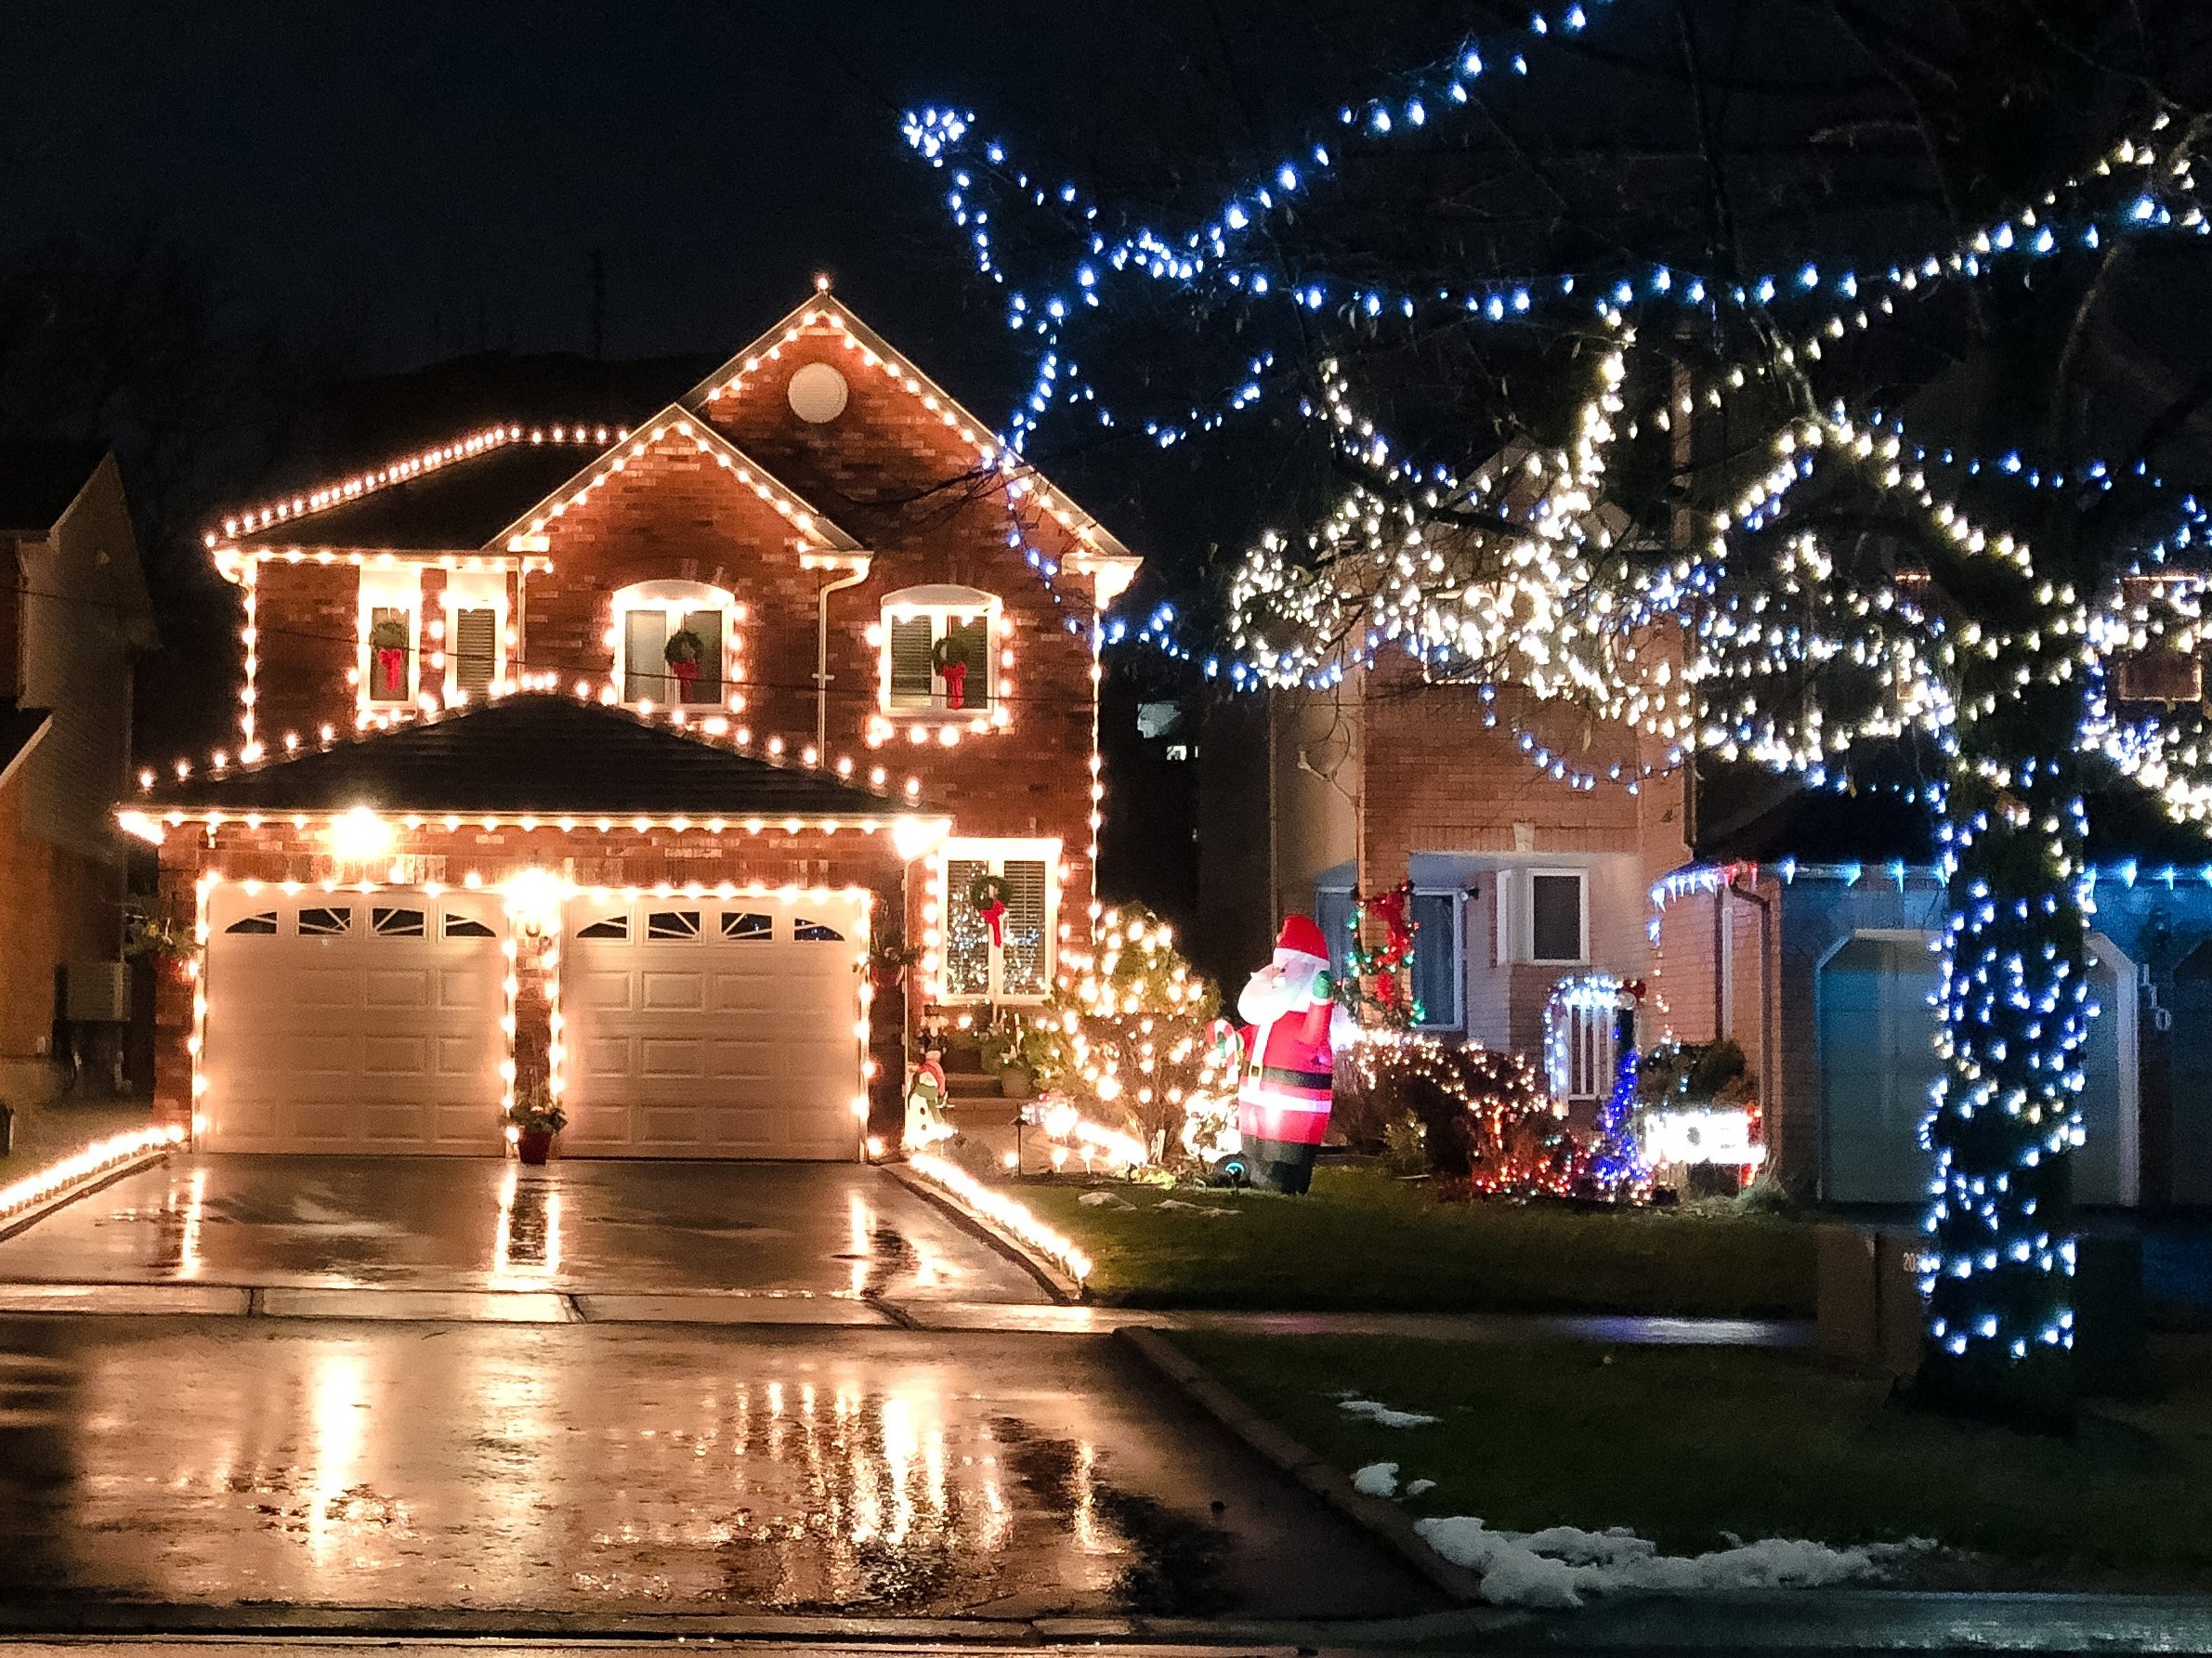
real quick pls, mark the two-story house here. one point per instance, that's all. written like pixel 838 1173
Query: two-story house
pixel 597 760
pixel 75 616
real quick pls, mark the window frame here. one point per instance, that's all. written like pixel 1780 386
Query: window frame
pixel 474 590
pixel 387 587
pixel 941 607
pixel 994 853
pixel 673 601
pixel 1456 897
pixel 1527 929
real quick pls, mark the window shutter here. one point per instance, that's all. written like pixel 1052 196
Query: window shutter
pixel 645 670
pixel 476 650
pixel 974 638
pixel 967 938
pixel 1022 963
pixel 913 675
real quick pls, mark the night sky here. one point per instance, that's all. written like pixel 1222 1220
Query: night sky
pixel 432 178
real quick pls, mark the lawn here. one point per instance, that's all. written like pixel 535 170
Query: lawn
pixel 1364 1240
pixel 1686 1446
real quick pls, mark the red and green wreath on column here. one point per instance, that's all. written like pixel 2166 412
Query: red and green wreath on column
pixel 988 895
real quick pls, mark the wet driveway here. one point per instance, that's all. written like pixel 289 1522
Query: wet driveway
pixel 458 1223
pixel 578 1469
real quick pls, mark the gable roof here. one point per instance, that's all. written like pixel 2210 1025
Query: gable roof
pixel 677 421
pixel 40 478
pixel 453 497
pixel 536 753
pixel 20 730
pixel 825 307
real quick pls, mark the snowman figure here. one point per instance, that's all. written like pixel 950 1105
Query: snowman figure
pixel 1295 1026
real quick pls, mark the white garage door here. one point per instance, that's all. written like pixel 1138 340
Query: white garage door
pixel 713 1027
pixel 351 1022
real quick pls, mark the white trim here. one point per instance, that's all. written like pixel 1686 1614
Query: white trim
pixel 1527 930
pixel 673 600
pixel 995 853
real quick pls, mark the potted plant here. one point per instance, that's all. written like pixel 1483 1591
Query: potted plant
pixel 683 653
pixel 536 1119
pixel 889 959
pixel 1005 1049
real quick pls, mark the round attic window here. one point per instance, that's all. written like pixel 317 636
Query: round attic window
pixel 818 393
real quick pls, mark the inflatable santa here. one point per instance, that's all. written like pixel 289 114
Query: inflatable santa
pixel 1294 1027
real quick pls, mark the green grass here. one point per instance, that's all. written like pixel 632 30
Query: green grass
pixel 1687 1445
pixel 1362 1240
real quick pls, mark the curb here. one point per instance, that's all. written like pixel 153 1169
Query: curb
pixel 1063 1290
pixel 1387 1524
pixel 86 1188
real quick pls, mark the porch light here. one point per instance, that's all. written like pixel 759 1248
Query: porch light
pixel 360 836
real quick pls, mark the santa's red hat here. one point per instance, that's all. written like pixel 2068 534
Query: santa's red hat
pixel 1300 937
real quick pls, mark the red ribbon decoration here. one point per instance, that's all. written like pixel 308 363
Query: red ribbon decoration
pixel 956 696
pixel 686 676
pixel 391 671
pixel 994 917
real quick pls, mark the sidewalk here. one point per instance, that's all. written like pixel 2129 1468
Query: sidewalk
pixel 547 1306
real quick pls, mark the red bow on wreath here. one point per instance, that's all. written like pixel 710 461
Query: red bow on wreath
pixel 987 896
pixel 950 658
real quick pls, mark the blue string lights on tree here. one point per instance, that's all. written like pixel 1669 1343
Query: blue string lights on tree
pixel 1609 1164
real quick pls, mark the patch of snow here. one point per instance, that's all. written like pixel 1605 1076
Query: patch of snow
pixel 1104 1199
pixel 1421 1488
pixel 1558 1566
pixel 1375 1411
pixel 1195 1208
pixel 1378 1478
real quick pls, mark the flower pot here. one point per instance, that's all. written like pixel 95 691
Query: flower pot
pixel 1016 1083
pixel 533 1145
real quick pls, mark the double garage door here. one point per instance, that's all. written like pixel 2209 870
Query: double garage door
pixel 372 1024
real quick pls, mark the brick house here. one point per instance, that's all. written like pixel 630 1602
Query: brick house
pixel 75 617
pixel 1530 863
pixel 598 758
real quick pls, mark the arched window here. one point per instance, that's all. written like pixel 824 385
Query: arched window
pixel 939 650
pixel 675 644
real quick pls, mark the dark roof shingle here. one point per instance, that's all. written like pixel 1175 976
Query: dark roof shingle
pixel 537 753
pixel 455 508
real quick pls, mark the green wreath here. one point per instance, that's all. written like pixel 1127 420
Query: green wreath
pixel 987 890
pixel 684 647
pixel 952 651
pixel 389 633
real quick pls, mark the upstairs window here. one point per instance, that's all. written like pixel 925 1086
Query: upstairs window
pixel 675 644
pixel 941 650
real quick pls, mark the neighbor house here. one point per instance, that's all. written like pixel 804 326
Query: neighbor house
pixel 1530 835
pixel 597 761
pixel 74 618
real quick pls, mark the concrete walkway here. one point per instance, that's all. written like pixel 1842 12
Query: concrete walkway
pixel 460 1306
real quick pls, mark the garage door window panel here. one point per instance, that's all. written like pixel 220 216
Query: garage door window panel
pixel 467 926
pixel 262 924
pixel 396 922
pixel 606 927
pixel 673 925
pixel 748 925
pixel 325 922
